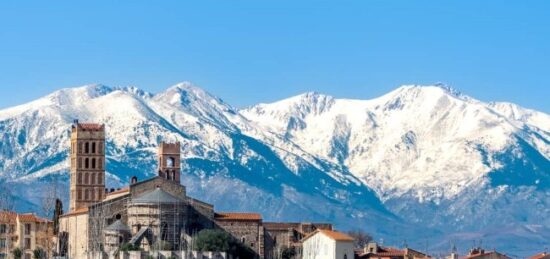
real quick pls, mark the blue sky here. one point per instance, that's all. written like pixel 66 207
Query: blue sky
pixel 260 51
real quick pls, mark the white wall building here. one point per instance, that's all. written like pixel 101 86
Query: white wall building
pixel 326 244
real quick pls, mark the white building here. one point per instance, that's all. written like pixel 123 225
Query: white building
pixel 326 244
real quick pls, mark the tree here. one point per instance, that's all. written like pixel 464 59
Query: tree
pixel 220 241
pixel 361 238
pixel 56 214
pixel 213 240
pixel 288 253
pixel 129 247
pixel 17 253
pixel 39 253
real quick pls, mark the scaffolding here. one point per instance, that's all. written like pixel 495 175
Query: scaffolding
pixel 156 222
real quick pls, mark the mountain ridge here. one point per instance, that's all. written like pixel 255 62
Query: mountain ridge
pixel 412 159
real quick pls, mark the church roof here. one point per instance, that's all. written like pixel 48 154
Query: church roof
pixel 156 196
pixel 118 226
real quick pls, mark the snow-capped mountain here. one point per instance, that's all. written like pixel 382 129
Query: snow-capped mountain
pixel 419 163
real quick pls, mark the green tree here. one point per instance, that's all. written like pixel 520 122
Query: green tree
pixel 288 253
pixel 129 247
pixel 213 240
pixel 17 253
pixel 39 253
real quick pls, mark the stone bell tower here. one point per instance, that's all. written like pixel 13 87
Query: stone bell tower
pixel 87 164
pixel 169 161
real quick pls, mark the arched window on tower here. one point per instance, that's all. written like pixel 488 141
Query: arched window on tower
pixel 79 178
pixel 93 147
pixel 86 178
pixel 93 163
pixel 86 195
pixel 170 162
pixel 92 178
pixel 87 148
pixel 86 163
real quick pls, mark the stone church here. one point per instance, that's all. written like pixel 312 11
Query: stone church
pixel 153 214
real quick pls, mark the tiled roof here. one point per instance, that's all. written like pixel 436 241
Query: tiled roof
pixel 157 196
pixel 76 212
pixel 7 216
pixel 30 217
pixel 237 216
pixel 543 255
pixel 90 126
pixel 118 226
pixel 123 190
pixel 334 235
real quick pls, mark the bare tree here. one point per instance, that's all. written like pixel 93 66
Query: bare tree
pixel 48 206
pixel 361 237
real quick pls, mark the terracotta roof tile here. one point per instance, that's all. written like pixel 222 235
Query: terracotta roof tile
pixel 7 216
pixel 76 212
pixel 90 126
pixel 30 217
pixel 335 235
pixel 123 190
pixel 237 216
pixel 543 255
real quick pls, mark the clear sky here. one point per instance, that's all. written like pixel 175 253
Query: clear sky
pixel 260 51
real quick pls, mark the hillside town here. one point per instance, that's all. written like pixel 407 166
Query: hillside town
pixel 155 218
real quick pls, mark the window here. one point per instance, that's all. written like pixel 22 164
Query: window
pixel 79 195
pixel 79 178
pixel 93 163
pixel 99 179
pixel 170 162
pixel 345 256
pixel 100 163
pixel 2 228
pixel 2 243
pixel 87 148
pixel 93 147
pixel 86 194
pixel 86 163
pixel 92 194
pixel 86 178
pixel 27 243
pixel 27 229
pixel 79 163
pixel 100 148
pixel 93 178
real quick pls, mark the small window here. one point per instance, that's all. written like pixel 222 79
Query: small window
pixel 170 162
pixel 79 178
pixel 93 178
pixel 86 163
pixel 27 229
pixel 86 178
pixel 93 147
pixel 93 163
pixel 118 216
pixel 79 163
pixel 86 195
pixel 80 147
pixel 87 148
pixel 79 194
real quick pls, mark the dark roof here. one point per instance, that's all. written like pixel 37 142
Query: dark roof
pixel 156 196
pixel 118 226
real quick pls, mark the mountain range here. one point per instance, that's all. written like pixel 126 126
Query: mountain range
pixel 422 165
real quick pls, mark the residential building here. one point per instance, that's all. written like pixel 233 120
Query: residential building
pixel 327 244
pixel 25 231
pixel 375 251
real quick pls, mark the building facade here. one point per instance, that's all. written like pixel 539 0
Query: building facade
pixel 327 244
pixel 154 214
pixel 87 165
pixel 25 231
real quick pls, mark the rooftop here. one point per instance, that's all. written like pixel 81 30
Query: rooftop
pixel 237 216
pixel 334 235
pixel 157 196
